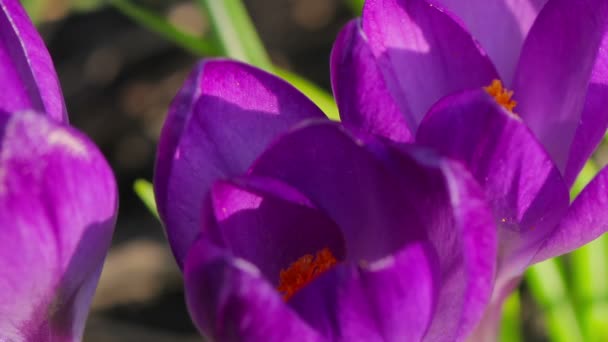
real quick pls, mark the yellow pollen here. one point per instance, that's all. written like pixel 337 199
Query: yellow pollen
pixel 304 270
pixel 501 95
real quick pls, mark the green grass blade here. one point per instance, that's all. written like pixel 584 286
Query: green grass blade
pixel 145 192
pixel 236 32
pixel 158 24
pixel 549 289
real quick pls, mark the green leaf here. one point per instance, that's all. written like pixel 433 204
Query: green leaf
pixel 236 32
pixel 510 326
pixel 547 285
pixel 158 24
pixel 145 192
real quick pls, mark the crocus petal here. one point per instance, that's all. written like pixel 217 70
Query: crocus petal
pixel 58 202
pixel 594 118
pixel 561 61
pixel 343 179
pixel 366 105
pixel 586 220
pixel 499 25
pixel 392 299
pixel 374 195
pixel 28 77
pixel 222 118
pixel 522 183
pixel 488 328
pixel 270 225
pixel 230 300
pixel 423 53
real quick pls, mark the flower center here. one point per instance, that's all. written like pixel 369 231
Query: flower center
pixel 501 95
pixel 304 270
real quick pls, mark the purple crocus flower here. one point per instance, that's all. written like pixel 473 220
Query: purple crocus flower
pixel 288 227
pixel 393 68
pixel 58 196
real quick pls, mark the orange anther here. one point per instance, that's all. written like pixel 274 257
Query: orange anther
pixel 501 95
pixel 304 270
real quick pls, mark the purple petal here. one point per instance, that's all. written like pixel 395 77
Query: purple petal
pixel 28 77
pixel 523 185
pixel 467 250
pixel 222 118
pixel 343 179
pixel 489 327
pixel 229 300
pixel 561 62
pixel 58 202
pixel 499 25
pixel 391 299
pixel 586 220
pixel 366 105
pixel 423 53
pixel 375 197
pixel 268 224
pixel 594 118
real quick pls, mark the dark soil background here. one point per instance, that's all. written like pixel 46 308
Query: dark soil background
pixel 118 79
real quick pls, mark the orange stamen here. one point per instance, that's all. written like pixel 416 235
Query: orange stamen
pixel 304 270
pixel 501 95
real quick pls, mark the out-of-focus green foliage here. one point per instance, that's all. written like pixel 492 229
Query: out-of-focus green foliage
pixel 197 45
pixel 510 325
pixel 34 8
pixel 548 287
pixel 225 44
pixel 589 277
pixel 43 10
pixel 145 192
pixel 356 6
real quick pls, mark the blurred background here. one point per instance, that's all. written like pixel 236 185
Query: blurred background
pixel 120 62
